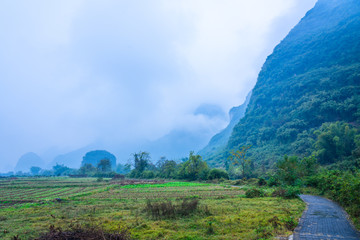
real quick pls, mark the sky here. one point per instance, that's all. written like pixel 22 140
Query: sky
pixel 114 72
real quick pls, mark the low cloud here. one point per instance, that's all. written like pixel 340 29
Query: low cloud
pixel 77 72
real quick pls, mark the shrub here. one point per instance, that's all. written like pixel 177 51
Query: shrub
pixel 210 229
pixel 288 192
pixel 273 181
pixel 239 182
pixel 147 174
pixel 263 232
pixel 252 181
pixel 187 206
pixel 343 187
pixel 254 192
pixel 218 174
pixel 118 176
pixel 290 223
pixel 261 182
pixel 167 209
pixel 275 222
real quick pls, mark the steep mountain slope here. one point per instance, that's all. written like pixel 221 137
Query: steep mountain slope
pixel 218 142
pixel 312 77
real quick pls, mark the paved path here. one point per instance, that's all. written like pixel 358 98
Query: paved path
pixel 324 219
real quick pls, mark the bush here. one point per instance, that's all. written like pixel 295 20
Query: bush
pixel 252 181
pixel 167 209
pixel 288 192
pixel 343 187
pixel 147 174
pixel 254 192
pixel 105 175
pixel 262 182
pixel 239 182
pixel 290 223
pixel 118 176
pixel 217 174
pixel 273 181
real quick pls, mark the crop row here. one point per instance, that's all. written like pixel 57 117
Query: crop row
pixel 38 194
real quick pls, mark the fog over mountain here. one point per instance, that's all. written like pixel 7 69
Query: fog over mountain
pixel 121 76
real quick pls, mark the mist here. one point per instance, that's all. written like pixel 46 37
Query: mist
pixel 120 75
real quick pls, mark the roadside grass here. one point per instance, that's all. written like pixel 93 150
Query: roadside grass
pixel 223 212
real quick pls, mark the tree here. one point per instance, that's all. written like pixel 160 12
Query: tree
pixel 61 170
pixel 141 163
pixel 123 169
pixel 88 169
pixel 335 141
pixel 94 157
pixel 238 157
pixel 288 170
pixel 104 165
pixel 35 170
pixel 166 168
pixel 217 174
pixel 308 166
pixel 194 168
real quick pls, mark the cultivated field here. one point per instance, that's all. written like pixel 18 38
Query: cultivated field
pixel 28 206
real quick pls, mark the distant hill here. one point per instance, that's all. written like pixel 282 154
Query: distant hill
pixel 27 161
pixel 180 141
pixel 71 159
pixel 219 141
pixel 176 144
pixel 94 157
pixel 311 79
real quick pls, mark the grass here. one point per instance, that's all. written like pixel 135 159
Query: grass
pixel 222 213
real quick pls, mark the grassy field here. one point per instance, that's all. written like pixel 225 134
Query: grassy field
pixel 28 206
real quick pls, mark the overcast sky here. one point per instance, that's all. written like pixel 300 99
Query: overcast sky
pixel 75 72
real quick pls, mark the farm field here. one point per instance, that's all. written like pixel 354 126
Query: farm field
pixel 28 206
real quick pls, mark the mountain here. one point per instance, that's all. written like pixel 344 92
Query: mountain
pixel 176 144
pixel 311 79
pixel 27 161
pixel 71 159
pixel 94 157
pixel 218 142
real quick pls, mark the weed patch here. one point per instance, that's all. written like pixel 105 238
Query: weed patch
pixel 167 209
pixel 254 192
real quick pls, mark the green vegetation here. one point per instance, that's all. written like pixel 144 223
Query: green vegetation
pixel 300 133
pixel 194 168
pixel 310 81
pixel 342 187
pixel 94 158
pixel 144 210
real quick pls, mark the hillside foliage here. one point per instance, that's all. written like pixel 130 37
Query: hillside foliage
pixel 308 89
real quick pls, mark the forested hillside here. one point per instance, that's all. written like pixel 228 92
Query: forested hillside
pixel 307 97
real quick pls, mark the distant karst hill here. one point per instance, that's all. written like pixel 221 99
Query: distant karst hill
pixel 27 161
pixel 311 79
pixel 94 157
